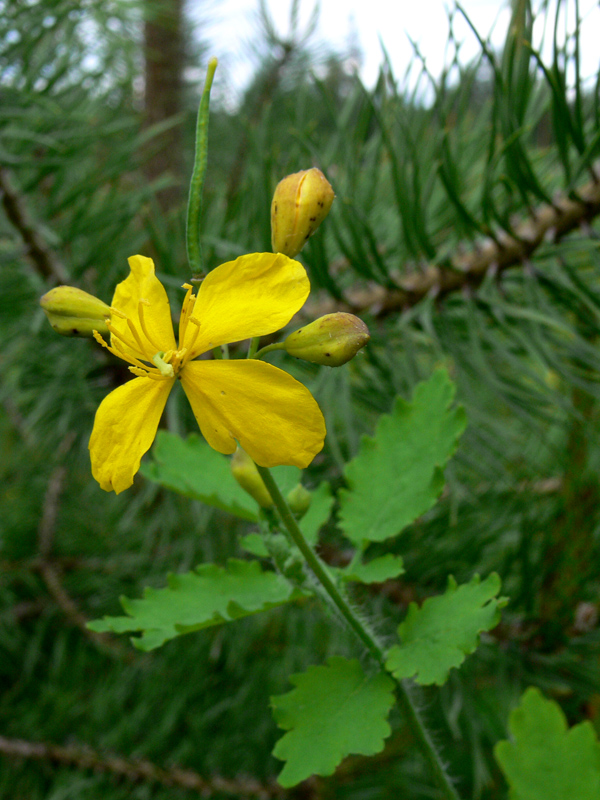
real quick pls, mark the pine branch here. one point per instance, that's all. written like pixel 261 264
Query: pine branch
pixel 51 574
pixel 138 770
pixel 549 222
pixel 43 258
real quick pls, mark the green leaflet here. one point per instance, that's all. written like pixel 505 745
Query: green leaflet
pixel 398 475
pixel 438 635
pixel 318 513
pixel 191 467
pixel 335 710
pixel 546 760
pixel 377 570
pixel 210 595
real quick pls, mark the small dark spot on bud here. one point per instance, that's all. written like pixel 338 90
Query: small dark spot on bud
pixel 307 236
pixel 328 355
pixel 74 331
pixel 222 392
pixel 313 219
pixel 320 203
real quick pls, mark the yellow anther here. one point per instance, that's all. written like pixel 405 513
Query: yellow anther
pixel 118 313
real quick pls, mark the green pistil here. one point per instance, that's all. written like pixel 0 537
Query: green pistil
pixel 164 368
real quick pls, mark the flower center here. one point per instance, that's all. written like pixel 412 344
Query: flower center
pixel 133 342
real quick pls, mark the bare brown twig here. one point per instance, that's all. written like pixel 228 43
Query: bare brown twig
pixel 49 570
pixel 42 256
pixel 138 769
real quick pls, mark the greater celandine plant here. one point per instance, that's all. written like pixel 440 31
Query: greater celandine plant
pixel 267 419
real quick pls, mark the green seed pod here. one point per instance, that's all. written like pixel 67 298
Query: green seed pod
pixel 300 204
pixel 73 312
pixel 299 500
pixel 245 472
pixel 331 340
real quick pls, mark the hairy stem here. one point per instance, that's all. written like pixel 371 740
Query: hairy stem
pixel 375 648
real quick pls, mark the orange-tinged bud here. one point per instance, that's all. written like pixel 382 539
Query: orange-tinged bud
pixel 245 472
pixel 73 312
pixel 300 204
pixel 331 340
pixel 299 500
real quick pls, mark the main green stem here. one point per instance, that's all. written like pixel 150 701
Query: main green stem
pixel 322 574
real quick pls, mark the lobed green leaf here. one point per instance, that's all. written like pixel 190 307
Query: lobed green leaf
pixel 398 475
pixel 335 710
pixel 377 570
pixel 438 635
pixel 546 760
pixel 210 595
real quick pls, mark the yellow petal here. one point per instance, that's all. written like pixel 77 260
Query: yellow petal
pixel 124 429
pixel 273 416
pixel 142 284
pixel 254 295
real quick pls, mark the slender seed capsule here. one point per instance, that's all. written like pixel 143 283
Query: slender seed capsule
pixel 245 472
pixel 331 340
pixel 300 204
pixel 73 312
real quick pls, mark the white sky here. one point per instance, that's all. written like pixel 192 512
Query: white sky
pixel 232 24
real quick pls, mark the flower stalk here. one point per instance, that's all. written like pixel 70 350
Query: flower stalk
pixel 375 648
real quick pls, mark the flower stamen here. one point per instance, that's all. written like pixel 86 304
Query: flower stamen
pixel 141 305
pixel 191 344
pixel 118 336
pixel 120 353
pixel 188 302
pixel 136 335
pixel 143 373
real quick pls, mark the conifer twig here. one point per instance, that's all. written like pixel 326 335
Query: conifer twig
pixel 549 222
pixel 51 574
pixel 138 770
pixel 43 257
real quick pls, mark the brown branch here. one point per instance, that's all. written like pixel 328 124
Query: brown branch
pixel 468 270
pixel 138 769
pixel 43 258
pixel 48 569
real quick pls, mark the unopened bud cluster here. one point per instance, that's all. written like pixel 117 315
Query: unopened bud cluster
pixel 73 312
pixel 331 340
pixel 300 204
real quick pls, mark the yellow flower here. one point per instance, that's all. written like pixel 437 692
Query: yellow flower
pixel 272 416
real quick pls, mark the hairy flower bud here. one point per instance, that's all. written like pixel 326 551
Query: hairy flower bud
pixel 331 340
pixel 300 204
pixel 245 472
pixel 298 500
pixel 73 312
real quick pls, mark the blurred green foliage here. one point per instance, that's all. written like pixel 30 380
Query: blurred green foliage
pixel 423 176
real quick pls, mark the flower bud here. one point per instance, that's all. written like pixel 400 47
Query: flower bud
pixel 299 500
pixel 300 204
pixel 331 340
pixel 245 472
pixel 73 312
